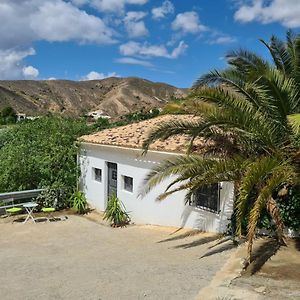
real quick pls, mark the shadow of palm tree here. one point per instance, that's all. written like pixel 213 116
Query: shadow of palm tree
pixel 297 243
pixel 228 238
pixel 199 242
pixel 262 254
pixel 220 249
pixel 181 236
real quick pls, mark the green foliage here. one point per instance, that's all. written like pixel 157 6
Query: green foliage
pixel 102 123
pixel 40 154
pixel 140 115
pixel 53 197
pixel 8 116
pixel 78 202
pixel 115 212
pixel 290 208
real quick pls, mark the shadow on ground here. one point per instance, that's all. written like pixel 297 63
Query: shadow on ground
pixel 297 243
pixel 222 246
pixel 262 254
pixel 201 241
pixel 181 236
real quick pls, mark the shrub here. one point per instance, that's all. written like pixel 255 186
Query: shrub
pixel 78 202
pixel 52 197
pixel 102 123
pixel 116 213
pixel 290 208
pixel 8 115
pixel 41 153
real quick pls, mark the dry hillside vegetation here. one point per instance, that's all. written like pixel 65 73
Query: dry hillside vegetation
pixel 114 96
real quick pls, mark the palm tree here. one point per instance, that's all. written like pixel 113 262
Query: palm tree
pixel 248 114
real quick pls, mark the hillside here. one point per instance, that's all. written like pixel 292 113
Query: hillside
pixel 114 96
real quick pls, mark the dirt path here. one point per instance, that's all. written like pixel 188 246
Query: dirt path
pixel 81 259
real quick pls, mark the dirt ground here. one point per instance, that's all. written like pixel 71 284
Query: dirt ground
pixel 81 259
pixel 273 274
pixel 275 271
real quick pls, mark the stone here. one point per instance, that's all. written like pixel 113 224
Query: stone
pixel 260 289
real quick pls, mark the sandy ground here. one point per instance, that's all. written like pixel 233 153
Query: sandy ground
pixel 82 259
pixel 275 271
pixel 273 274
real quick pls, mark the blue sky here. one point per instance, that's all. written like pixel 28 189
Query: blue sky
pixel 172 41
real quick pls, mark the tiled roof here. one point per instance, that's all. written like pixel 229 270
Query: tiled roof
pixel 133 135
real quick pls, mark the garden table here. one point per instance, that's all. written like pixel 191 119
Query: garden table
pixel 29 209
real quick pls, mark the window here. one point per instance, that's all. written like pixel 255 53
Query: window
pixel 207 197
pixel 128 183
pixel 97 174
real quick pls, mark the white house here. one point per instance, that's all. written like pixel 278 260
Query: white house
pixel 97 114
pixel 112 162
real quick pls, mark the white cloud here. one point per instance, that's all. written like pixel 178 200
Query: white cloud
pixel 93 75
pixel 23 22
pixel 111 6
pixel 285 12
pixel 223 40
pixel 134 24
pixel 146 50
pixel 54 20
pixel 61 21
pixel 188 22
pixel 30 72
pixel 162 11
pixel 134 61
pixel 11 63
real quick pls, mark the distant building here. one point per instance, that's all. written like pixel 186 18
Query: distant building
pixel 23 117
pixel 111 162
pixel 97 115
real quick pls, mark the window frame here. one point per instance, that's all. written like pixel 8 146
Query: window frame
pixel 193 201
pixel 124 183
pixel 95 174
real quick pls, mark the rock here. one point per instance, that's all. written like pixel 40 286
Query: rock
pixel 260 289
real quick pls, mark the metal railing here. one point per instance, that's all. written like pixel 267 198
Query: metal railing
pixel 21 194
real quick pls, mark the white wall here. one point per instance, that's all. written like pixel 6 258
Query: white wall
pixel 169 212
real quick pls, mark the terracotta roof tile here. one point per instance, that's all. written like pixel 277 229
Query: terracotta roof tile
pixel 133 135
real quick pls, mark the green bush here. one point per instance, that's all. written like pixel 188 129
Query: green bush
pixel 52 197
pixel 116 213
pixel 8 116
pixel 78 202
pixel 102 123
pixel 290 208
pixel 41 154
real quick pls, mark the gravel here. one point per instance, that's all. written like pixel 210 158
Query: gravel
pixel 82 259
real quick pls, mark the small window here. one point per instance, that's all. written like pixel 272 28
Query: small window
pixel 128 183
pixel 207 197
pixel 97 174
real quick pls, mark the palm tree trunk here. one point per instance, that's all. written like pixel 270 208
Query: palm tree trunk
pixel 274 212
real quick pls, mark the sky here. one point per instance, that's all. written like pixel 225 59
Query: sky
pixel 171 41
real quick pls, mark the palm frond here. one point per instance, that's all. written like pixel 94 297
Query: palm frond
pixel 255 174
pixel 192 172
pixel 283 174
pixel 294 121
pixel 279 53
pixel 247 62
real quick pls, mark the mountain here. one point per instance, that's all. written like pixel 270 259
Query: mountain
pixel 114 96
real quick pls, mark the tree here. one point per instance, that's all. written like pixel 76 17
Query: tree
pixel 40 154
pixel 8 115
pixel 248 114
